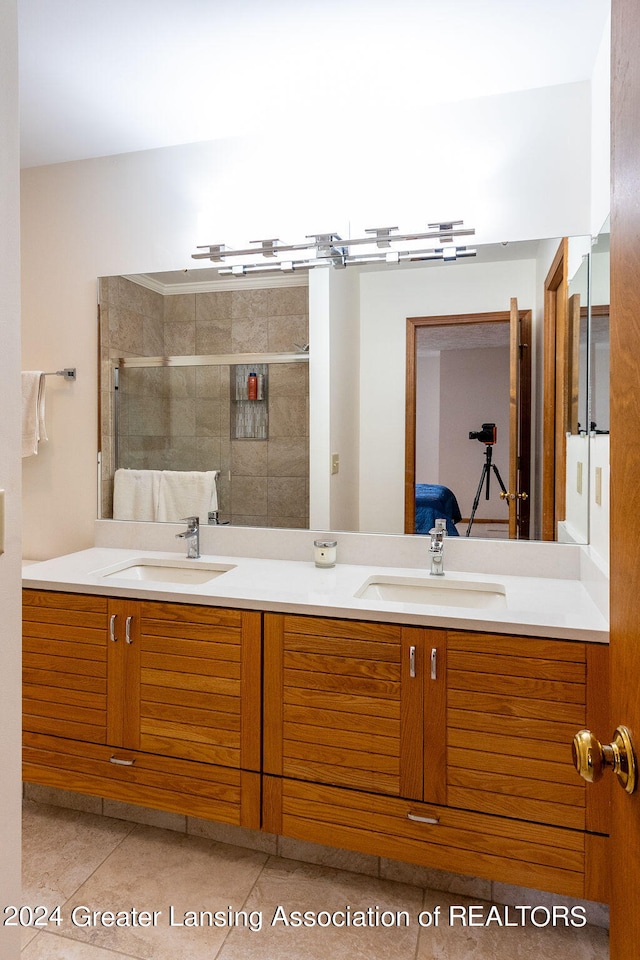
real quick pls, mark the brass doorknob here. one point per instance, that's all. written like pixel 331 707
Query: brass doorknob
pixel 591 757
pixel 505 495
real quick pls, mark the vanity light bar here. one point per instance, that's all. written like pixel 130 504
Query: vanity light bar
pixel 446 254
pixel 332 245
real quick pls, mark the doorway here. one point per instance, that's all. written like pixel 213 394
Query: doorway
pixel 460 369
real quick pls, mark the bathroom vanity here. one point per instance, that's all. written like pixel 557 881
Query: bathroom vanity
pixel 279 697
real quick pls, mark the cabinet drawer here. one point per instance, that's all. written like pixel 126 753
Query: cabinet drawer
pixel 163 783
pixel 498 848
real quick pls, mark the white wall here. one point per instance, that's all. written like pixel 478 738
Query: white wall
pixel 386 300
pixel 10 573
pixel 479 159
pixel 428 418
pixel 599 512
pixel 344 378
pixel 575 527
pixel 474 389
pixel 601 134
pixel 333 398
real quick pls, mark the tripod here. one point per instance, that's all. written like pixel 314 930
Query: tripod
pixel 487 467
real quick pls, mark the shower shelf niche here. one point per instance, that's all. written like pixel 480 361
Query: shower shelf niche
pixel 249 417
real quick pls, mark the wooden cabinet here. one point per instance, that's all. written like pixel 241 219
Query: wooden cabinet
pixel 450 749
pixel 172 691
pixel 455 748
pixel 187 684
pixel 345 704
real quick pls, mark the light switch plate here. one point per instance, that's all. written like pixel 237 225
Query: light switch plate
pixel 335 462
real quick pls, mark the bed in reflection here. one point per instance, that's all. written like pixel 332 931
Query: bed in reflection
pixel 434 500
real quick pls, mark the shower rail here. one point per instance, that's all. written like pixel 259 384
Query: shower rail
pixel 210 360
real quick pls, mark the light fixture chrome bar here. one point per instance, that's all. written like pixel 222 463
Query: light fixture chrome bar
pixel 391 257
pixel 445 231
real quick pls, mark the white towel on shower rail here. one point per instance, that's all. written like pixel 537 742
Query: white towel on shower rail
pixel 33 428
pixel 187 493
pixel 135 494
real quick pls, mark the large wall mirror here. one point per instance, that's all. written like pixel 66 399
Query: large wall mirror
pixel 214 378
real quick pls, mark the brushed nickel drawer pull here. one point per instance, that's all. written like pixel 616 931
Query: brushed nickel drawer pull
pixel 412 661
pixel 112 626
pixel 122 763
pixel 434 662
pixel 414 816
pixel 127 629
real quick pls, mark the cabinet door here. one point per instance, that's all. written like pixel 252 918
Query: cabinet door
pixel 197 672
pixel 344 704
pixel 514 704
pixel 65 665
pixel 123 661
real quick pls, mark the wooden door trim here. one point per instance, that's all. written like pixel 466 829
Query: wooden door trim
pixel 413 324
pixel 553 459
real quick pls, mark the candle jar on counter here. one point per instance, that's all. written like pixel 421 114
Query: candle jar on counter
pixel 325 552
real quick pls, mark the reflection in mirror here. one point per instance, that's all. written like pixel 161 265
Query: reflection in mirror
pixel 579 295
pixel 587 444
pixel 599 334
pixel 200 382
pixel 462 382
pixel 186 344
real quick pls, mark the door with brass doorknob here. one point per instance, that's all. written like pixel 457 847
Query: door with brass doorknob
pixel 591 757
pixel 625 463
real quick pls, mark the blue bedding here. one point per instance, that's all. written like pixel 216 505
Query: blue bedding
pixel 434 500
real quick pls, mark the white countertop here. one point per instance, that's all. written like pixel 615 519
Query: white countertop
pixel 535 606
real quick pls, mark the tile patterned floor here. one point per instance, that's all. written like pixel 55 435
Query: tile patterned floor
pixel 87 863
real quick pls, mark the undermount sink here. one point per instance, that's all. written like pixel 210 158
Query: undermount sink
pixel 438 591
pixel 167 571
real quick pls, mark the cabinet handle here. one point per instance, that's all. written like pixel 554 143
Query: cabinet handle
pixel 122 763
pixel 412 661
pixel 112 626
pixel 434 663
pixel 414 816
pixel 127 630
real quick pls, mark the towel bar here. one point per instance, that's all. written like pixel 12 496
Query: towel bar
pixel 69 373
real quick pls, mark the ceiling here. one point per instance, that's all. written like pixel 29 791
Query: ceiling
pixel 101 77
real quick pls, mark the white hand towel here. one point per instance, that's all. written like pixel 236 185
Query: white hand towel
pixel 135 494
pixel 33 426
pixel 187 493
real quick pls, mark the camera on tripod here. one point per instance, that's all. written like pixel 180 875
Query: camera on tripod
pixel 488 434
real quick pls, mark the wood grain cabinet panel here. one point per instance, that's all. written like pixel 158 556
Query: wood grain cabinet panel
pixel 65 665
pixel 514 705
pixel 345 705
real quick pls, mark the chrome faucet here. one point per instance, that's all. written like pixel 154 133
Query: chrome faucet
pixel 436 550
pixel 192 536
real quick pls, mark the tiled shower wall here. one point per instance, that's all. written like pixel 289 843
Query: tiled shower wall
pixel 178 418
